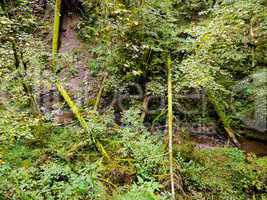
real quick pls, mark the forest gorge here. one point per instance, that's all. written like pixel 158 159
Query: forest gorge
pixel 133 99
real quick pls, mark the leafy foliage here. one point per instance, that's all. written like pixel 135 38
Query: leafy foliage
pixel 146 150
pixel 215 46
pixel 52 181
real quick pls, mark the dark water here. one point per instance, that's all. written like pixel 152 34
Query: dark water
pixel 252 146
pixel 247 145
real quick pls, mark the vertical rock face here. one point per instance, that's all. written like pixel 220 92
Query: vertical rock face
pixel 40 6
pixel 73 6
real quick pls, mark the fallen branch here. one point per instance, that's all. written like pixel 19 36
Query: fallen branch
pixel 224 119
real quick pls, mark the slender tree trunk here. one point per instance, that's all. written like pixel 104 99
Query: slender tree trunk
pixel 56 34
pixel 253 44
pixel 170 124
pixel 26 87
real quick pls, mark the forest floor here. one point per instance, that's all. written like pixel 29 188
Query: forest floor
pixel 74 73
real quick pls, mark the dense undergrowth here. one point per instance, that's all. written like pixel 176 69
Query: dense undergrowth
pixel 217 50
pixel 138 169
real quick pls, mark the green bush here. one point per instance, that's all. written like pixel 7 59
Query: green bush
pixel 50 181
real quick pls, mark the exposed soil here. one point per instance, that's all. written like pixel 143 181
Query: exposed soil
pixel 69 39
pixel 74 74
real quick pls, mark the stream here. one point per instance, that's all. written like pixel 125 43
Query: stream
pixel 247 145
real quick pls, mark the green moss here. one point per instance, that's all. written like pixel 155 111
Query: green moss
pixel 19 155
pixel 262 162
pixel 222 173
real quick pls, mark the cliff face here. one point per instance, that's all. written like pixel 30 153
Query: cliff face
pixel 43 8
pixel 71 6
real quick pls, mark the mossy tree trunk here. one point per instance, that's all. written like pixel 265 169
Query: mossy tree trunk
pixel 64 93
pixel 223 117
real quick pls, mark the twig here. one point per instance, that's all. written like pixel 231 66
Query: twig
pixel 100 92
pixel 108 182
pixel 224 119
